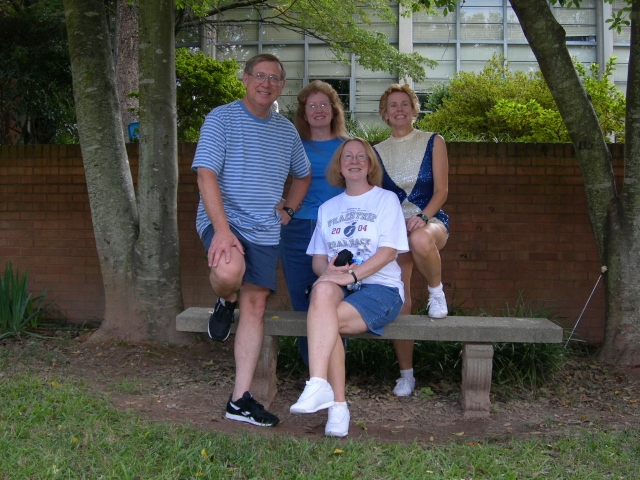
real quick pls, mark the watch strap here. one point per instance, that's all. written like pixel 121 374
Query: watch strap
pixel 289 211
pixel 423 217
pixel 355 279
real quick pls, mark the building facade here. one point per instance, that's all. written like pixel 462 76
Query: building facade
pixel 461 41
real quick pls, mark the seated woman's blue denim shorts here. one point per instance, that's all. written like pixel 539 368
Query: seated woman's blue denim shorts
pixel 376 304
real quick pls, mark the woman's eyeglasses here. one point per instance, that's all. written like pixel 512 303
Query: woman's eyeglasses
pixel 360 158
pixel 318 106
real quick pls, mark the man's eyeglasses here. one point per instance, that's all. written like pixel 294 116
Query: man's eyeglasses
pixel 360 158
pixel 318 106
pixel 274 80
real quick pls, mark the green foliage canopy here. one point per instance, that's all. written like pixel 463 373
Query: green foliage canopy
pixel 501 105
pixel 36 97
pixel 202 84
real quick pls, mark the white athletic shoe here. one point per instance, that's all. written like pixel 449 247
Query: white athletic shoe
pixel 404 386
pixel 338 422
pixel 437 305
pixel 317 395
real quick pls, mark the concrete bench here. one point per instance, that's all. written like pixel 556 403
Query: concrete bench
pixel 477 335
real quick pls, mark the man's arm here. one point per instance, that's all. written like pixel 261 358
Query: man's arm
pixel 297 191
pixel 223 240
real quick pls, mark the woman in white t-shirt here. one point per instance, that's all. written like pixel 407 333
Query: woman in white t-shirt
pixel 362 296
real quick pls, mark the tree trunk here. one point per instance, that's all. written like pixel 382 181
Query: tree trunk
pixel 127 60
pixel 611 217
pixel 157 250
pixel 122 252
pixel 622 337
pixel 109 182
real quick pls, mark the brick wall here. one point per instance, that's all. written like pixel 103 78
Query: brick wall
pixel 517 218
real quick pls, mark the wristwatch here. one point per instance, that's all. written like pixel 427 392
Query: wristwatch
pixel 289 211
pixel 423 216
pixel 355 279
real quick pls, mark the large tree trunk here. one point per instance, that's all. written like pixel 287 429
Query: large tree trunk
pixel 611 217
pixel 622 340
pixel 127 60
pixel 130 268
pixel 157 251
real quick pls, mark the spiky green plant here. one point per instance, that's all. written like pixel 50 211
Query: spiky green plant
pixel 18 310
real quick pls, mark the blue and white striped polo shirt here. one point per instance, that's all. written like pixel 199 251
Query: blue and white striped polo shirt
pixel 251 158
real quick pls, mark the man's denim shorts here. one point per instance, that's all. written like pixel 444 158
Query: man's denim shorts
pixel 261 260
pixel 376 304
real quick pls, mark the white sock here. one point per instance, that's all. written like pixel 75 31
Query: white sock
pixel 340 404
pixel 406 373
pixel 318 379
pixel 433 290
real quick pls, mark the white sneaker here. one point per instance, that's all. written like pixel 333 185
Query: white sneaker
pixel 404 386
pixel 317 395
pixel 437 305
pixel 338 422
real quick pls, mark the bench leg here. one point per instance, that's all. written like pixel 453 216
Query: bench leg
pixel 477 360
pixel 263 386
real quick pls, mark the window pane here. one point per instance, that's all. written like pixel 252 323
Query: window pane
pixel 377 25
pixel 228 31
pixel 240 53
pixel 291 56
pixel 444 54
pixel 434 27
pixel 481 23
pixel 579 23
pixel 279 34
pixel 625 35
pixel 473 58
pixel 368 94
pixel 288 100
pixel 514 30
pixel 321 63
pixel 586 54
pixel 188 37
pixel 521 58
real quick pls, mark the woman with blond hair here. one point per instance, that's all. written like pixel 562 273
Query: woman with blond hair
pixel 416 170
pixel 361 296
pixel 319 119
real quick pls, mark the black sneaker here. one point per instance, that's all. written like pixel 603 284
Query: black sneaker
pixel 246 409
pixel 221 319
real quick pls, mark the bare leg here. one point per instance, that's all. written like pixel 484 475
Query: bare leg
pixel 226 278
pixel 350 322
pixel 336 377
pixel 404 348
pixel 249 335
pixel 322 326
pixel 425 245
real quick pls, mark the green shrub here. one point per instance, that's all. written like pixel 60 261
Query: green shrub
pixel 202 84
pixel 501 105
pixel 17 309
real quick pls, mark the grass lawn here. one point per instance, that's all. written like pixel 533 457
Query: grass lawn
pixel 52 430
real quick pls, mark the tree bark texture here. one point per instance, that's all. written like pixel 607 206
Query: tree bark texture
pixel 622 340
pixel 612 217
pixel 130 269
pixel 109 182
pixel 127 60
pixel 157 250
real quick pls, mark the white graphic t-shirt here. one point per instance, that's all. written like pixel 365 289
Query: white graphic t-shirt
pixel 362 224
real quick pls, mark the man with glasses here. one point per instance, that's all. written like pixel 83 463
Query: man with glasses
pixel 243 157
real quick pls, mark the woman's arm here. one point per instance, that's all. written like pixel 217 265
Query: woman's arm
pixel 382 257
pixel 440 168
pixel 321 266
